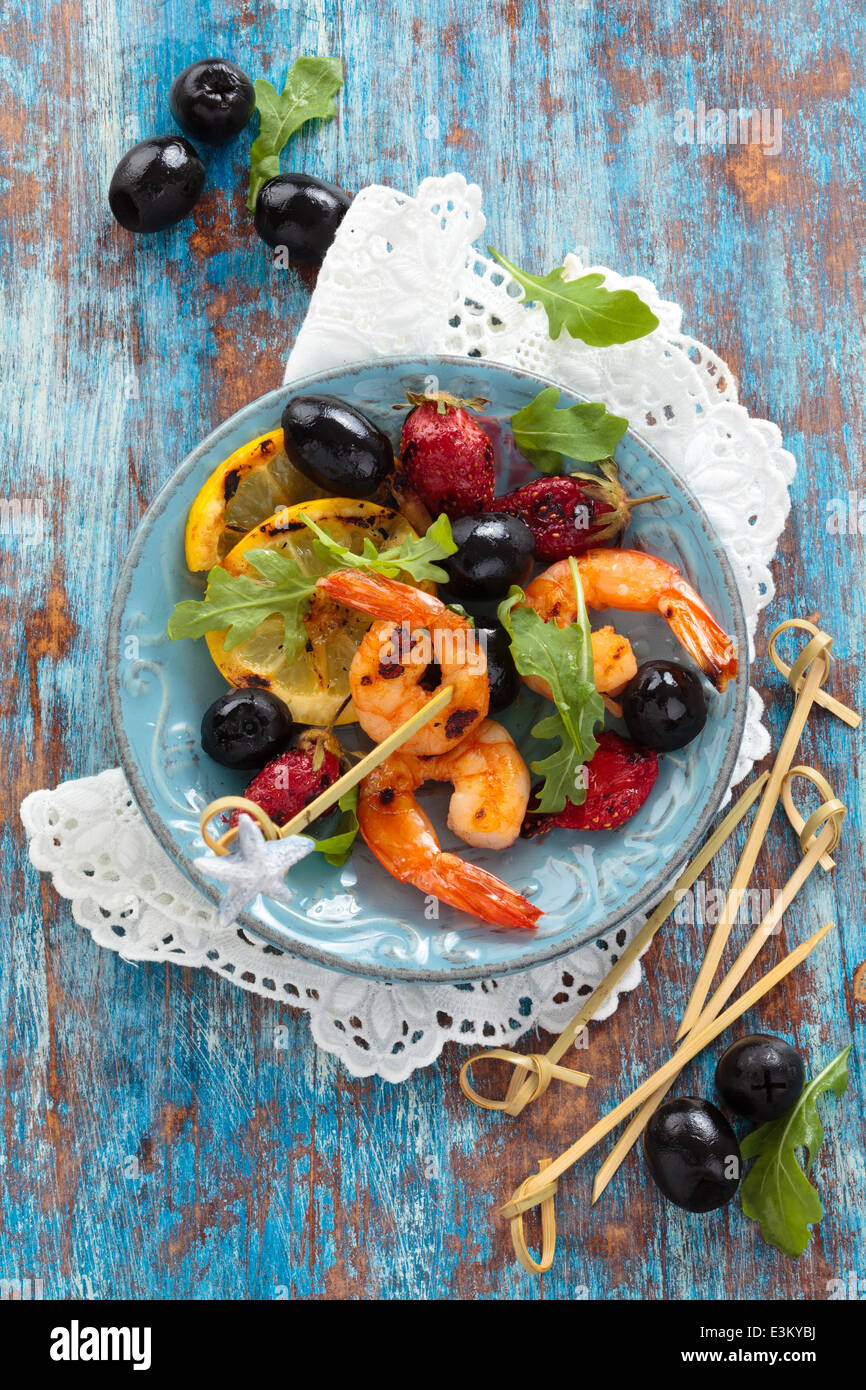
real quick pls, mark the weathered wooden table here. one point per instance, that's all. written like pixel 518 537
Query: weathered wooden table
pixel 268 1173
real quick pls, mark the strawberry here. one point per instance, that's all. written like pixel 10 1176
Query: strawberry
pixel 293 779
pixel 446 455
pixel 620 778
pixel 573 513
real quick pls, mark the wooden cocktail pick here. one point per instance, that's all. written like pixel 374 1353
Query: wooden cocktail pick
pixel 795 679
pixel 543 1068
pixel 805 677
pixel 818 836
pixel 265 851
pixel 540 1188
pixel 331 795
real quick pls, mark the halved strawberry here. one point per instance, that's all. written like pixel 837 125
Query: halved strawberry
pixel 620 778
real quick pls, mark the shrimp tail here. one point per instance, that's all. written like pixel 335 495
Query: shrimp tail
pixel 403 840
pixel 381 597
pixel 694 625
pixel 474 890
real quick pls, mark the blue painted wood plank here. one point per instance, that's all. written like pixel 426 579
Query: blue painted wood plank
pixel 155 1141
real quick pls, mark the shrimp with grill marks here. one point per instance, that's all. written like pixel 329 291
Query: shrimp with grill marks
pixel 389 675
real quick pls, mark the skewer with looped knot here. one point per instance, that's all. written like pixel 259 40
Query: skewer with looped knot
pixel 329 797
pixel 259 864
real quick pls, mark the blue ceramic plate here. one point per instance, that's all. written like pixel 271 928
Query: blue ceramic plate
pixel 357 918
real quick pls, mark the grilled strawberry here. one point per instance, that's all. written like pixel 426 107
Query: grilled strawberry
pixel 620 778
pixel 446 455
pixel 292 780
pixel 573 513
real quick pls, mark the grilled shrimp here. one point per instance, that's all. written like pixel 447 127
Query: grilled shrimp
pixel 491 790
pixel 414 631
pixel 491 786
pixel 638 583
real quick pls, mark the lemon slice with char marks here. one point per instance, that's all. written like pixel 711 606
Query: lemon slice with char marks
pixel 247 488
pixel 317 682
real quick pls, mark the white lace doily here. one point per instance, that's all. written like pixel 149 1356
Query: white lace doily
pixel 403 277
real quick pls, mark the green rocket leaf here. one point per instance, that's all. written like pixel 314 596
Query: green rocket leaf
pixel 337 847
pixel 237 604
pixel 562 770
pixel 776 1191
pixel 585 431
pixel 414 558
pixel 308 93
pixel 562 656
pixel 583 307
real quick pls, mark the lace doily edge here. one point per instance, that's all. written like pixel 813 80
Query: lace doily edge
pixel 393 1069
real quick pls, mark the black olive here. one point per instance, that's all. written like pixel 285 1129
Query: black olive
pixel 336 446
pixel 663 705
pixel 693 1154
pixel 212 100
pixel 156 184
pixel 495 550
pixel 301 213
pixel 501 670
pixel 760 1077
pixel 245 728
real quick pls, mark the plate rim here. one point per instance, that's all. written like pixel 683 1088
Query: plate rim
pixel 553 950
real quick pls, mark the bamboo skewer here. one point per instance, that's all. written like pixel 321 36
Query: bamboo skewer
pixel 548 1228
pixel 828 702
pixel 806 675
pixel 818 780
pixel 523 1089
pixel 536 1188
pixel 332 794
pixel 833 813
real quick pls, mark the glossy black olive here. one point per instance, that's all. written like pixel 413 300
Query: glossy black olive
pixel 212 100
pixel 663 705
pixel 156 184
pixel 760 1077
pixel 693 1154
pixel 301 213
pixel 495 550
pixel 336 446
pixel 501 670
pixel 245 728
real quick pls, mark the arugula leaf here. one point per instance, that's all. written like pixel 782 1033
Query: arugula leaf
pixel 562 770
pixel 413 558
pixel 308 93
pixel 461 612
pixel 562 656
pixel 776 1191
pixel 337 847
pixel 583 307
pixel 585 431
pixel 417 554
pixel 237 604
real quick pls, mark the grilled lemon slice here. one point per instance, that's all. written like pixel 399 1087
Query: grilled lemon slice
pixel 247 488
pixel 317 682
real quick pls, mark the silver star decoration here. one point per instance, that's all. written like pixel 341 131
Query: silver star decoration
pixel 255 865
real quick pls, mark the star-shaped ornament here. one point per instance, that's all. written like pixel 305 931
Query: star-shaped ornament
pixel 255 865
